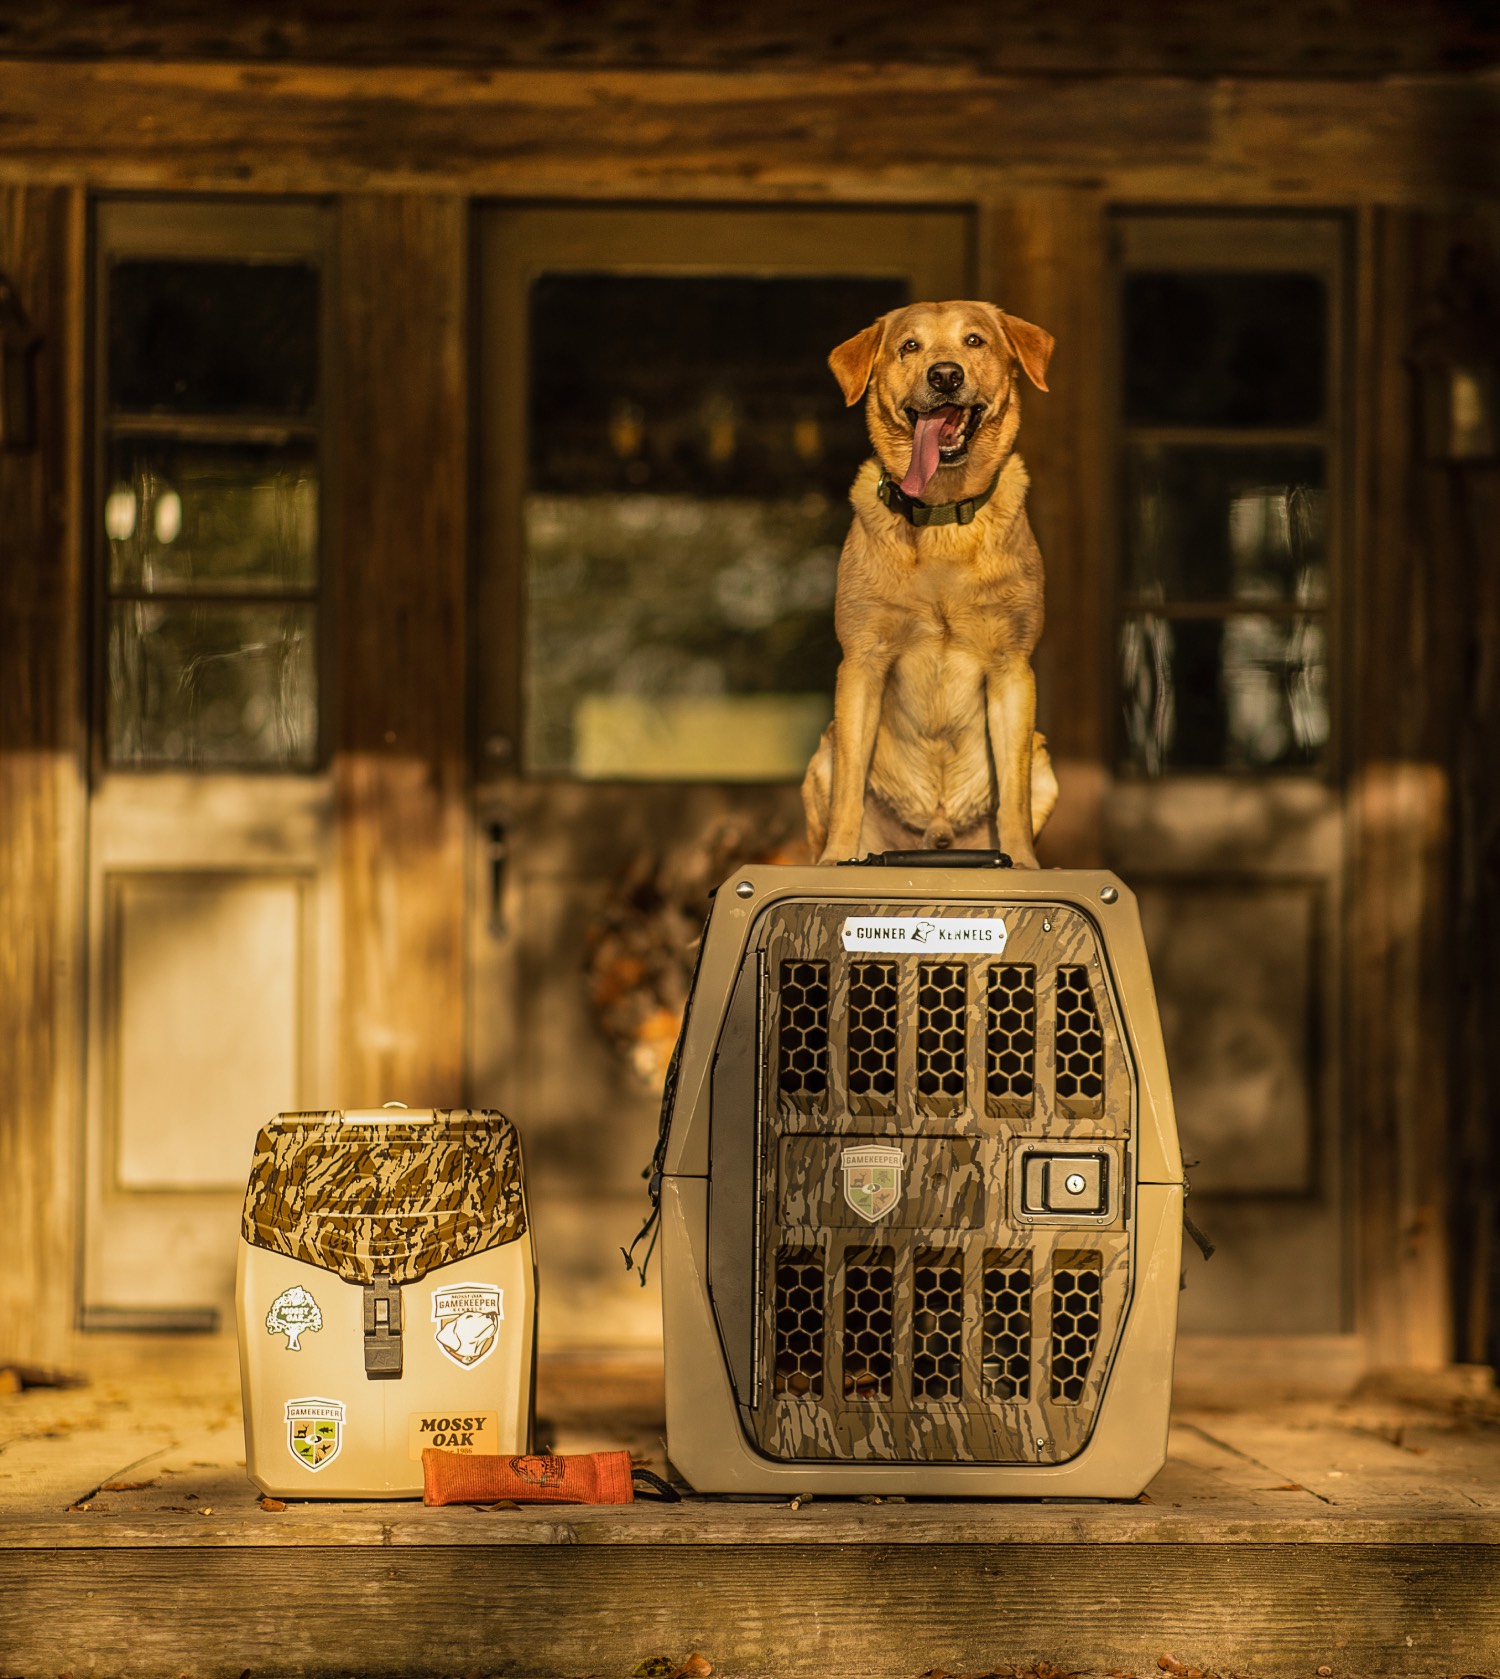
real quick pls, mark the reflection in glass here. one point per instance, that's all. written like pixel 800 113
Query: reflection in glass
pixel 690 457
pixel 676 636
pixel 1246 692
pixel 212 517
pixel 1225 349
pixel 1226 524
pixel 211 338
pixel 212 685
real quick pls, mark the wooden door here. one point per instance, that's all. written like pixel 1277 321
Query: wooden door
pixel 208 904
pixel 665 461
pixel 1225 813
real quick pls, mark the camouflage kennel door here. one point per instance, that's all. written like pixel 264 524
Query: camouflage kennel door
pixel 942 1166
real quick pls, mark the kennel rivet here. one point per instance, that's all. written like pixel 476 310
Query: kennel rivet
pixel 1108 894
pixel 744 890
pixel 1046 926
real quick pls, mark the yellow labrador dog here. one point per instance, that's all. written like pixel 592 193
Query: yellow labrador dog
pixel 939 600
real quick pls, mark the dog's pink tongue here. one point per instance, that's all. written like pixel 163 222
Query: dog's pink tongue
pixel 926 443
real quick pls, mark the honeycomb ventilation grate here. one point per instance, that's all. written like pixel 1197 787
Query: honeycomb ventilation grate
pixel 872 1034
pixel 869 1324
pixel 1010 1038
pixel 1005 1348
pixel 942 1013
pixel 937 1326
pixel 1079 1064
pixel 1077 1285
pixel 798 1344
pixel 802 1063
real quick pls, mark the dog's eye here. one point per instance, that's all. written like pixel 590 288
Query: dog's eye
pixel 910 347
pixel 974 341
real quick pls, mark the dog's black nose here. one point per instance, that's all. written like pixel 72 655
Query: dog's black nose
pixel 945 376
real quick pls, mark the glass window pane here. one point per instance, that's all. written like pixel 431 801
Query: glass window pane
pixel 212 684
pixel 213 337
pixel 1248 692
pixel 211 516
pixel 1221 524
pixel 1225 349
pixel 690 462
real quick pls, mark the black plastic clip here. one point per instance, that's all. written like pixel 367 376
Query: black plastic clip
pixel 382 1302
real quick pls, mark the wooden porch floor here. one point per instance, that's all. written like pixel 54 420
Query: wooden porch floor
pixel 1348 1536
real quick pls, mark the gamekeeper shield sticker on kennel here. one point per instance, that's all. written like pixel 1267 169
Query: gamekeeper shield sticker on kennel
pixel 872 1180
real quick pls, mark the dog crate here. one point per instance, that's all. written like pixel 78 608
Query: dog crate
pixel 920 1189
pixel 386 1298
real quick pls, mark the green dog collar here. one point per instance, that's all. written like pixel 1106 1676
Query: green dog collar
pixel 920 513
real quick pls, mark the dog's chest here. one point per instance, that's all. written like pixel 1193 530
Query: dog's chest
pixel 947 606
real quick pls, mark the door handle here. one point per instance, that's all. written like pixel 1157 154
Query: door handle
pixel 497 855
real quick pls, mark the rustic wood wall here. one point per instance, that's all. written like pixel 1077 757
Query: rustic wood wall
pixel 41 790
pixel 1424 708
pixel 406 149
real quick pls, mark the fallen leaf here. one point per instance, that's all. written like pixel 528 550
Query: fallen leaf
pixel 1288 1486
pixel 206 1510
pixel 695 1667
pixel 269 1503
pixel 126 1486
pixel 1325 1671
pixel 654 1667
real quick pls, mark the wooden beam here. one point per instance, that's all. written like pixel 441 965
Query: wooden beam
pixel 41 788
pixel 875 1610
pixel 1398 812
pixel 399 534
pixel 1043 257
pixel 848 132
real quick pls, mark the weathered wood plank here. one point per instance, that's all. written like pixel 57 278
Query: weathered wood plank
pixel 922 132
pixel 1044 258
pixel 41 784
pixel 1091 37
pixel 820 1609
pixel 220 1516
pixel 1398 805
pixel 399 769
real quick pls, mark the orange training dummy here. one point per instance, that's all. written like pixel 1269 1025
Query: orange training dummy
pixel 536 1478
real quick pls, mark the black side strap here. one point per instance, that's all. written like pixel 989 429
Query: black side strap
pixel 647 1485
pixel 1201 1241
pixel 652 1173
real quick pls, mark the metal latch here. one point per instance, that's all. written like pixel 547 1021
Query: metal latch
pixel 382 1329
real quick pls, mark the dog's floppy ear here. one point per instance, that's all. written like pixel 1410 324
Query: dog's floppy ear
pixel 853 360
pixel 1033 347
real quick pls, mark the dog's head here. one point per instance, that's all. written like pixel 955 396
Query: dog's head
pixel 939 381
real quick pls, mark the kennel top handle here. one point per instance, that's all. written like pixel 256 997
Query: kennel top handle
pixel 1101 896
pixel 931 860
